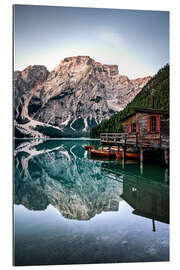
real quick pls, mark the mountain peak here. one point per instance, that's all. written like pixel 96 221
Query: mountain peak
pixel 78 94
pixel 74 61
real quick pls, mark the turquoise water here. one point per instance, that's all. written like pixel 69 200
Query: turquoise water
pixel 71 209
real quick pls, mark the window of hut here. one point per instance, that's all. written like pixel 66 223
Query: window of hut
pixel 153 123
pixel 133 127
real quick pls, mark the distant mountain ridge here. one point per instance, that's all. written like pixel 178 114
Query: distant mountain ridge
pixel 68 101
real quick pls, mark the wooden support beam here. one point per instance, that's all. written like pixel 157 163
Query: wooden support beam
pixel 141 168
pixel 122 163
pixel 123 156
pixel 123 153
pixel 166 176
pixel 166 156
pixel 154 227
pixel 141 155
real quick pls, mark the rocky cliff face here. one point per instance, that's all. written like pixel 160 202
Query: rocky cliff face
pixel 78 94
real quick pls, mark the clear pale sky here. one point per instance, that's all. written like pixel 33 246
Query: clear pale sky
pixel 137 41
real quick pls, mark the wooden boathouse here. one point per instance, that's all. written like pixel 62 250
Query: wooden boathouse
pixel 143 130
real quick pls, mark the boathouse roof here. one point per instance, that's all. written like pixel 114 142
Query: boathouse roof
pixel 147 110
pixel 150 110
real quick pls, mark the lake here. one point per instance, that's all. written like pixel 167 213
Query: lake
pixel 71 209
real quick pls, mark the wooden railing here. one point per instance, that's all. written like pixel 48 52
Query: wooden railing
pixel 113 138
pixel 125 139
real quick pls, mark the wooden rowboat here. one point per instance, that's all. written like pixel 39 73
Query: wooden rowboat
pixel 89 147
pixel 118 155
pixel 99 153
pixel 132 155
pixel 102 153
pixel 128 155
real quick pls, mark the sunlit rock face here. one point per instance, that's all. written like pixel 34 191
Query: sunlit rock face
pixel 63 177
pixel 78 94
pixel 25 84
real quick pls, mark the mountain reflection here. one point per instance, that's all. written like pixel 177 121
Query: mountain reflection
pixel 59 173
pixel 149 198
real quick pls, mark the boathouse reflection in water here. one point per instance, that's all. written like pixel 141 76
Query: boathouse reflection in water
pixel 148 198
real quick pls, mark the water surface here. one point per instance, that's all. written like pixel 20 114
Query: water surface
pixel 70 209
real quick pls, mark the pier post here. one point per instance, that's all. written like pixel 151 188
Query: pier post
pixel 166 156
pixel 123 163
pixel 141 155
pixel 123 153
pixel 166 176
pixel 141 168
pixel 154 227
pixel 123 157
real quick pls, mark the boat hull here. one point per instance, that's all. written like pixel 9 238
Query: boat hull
pixel 128 155
pixel 89 147
pixel 132 155
pixel 118 155
pixel 100 153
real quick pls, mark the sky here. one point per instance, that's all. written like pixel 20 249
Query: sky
pixel 137 41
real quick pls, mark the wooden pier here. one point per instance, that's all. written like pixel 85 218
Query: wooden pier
pixel 135 140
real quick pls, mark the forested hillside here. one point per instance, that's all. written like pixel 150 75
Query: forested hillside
pixel 158 86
